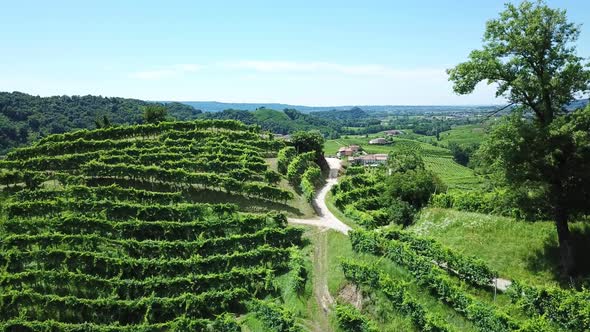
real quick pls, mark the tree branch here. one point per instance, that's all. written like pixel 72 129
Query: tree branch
pixel 494 112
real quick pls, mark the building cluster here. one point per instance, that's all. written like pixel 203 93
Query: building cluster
pixel 348 151
pixel 393 132
pixel 369 159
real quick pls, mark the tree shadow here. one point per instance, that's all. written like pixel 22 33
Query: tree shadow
pixel 547 259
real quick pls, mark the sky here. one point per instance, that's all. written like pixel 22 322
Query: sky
pixel 317 53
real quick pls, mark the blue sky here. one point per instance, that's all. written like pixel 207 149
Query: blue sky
pixel 300 52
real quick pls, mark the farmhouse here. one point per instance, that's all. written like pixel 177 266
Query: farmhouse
pixel 378 141
pixel 342 152
pixel 369 159
pixel 348 151
pixel 393 132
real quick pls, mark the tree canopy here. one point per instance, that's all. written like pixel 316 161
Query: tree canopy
pixel 529 53
pixel 154 113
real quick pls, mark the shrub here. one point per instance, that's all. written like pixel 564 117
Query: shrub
pixel 400 212
pixel 310 181
pixel 350 319
pixel 298 166
pixel 273 316
pixel 284 157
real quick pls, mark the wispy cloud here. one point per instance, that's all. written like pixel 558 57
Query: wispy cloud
pixel 166 72
pixel 330 68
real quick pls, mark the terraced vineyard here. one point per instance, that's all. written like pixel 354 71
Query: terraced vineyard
pixel 101 232
pixel 455 176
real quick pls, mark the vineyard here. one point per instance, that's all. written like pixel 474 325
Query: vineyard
pixel 426 284
pixel 464 284
pixel 100 230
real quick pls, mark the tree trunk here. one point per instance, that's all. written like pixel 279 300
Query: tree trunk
pixel 566 250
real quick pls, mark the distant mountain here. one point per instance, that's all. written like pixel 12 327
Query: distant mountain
pixel 214 106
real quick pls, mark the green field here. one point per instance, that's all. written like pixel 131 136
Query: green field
pixel 467 134
pixel 519 250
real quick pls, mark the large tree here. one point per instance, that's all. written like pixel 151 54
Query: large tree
pixel 154 113
pixel 529 53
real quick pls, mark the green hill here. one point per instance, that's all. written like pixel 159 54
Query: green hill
pixel 123 229
pixel 25 118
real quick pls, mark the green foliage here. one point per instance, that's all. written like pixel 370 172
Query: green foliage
pixel 429 275
pixel 298 272
pixel 283 122
pixel 397 292
pixel 275 317
pixel 311 180
pixel 470 269
pixel 570 309
pixel 114 229
pixel 355 170
pixel 508 203
pixel 351 319
pixel 308 141
pixel 400 212
pixel 404 159
pixel 528 53
pixel 284 158
pixel 414 187
pixel 462 153
pixel 299 165
pixel 25 118
pixel 550 161
pixel 154 114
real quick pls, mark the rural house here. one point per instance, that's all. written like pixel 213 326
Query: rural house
pixel 369 159
pixel 378 141
pixel 393 132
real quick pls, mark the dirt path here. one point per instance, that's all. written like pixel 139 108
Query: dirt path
pixel 320 277
pixel 325 220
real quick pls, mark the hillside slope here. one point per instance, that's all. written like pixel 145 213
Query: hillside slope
pixel 106 229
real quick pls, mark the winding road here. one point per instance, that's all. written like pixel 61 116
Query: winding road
pixel 325 218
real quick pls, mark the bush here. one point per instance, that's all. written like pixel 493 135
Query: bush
pixel 310 181
pixel 400 212
pixel 500 202
pixel 355 170
pixel 414 187
pixel 570 309
pixel 298 166
pixel 273 316
pixel 352 320
pixel 284 157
